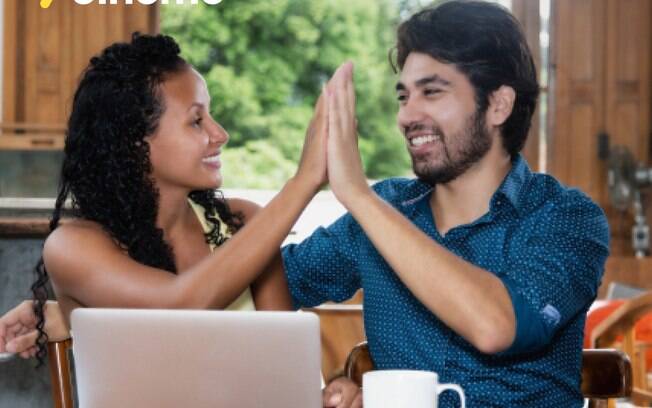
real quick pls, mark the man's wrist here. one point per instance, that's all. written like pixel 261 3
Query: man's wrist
pixel 360 199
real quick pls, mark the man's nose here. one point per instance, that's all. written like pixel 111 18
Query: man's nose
pixel 409 115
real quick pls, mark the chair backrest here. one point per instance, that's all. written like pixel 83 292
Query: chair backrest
pixel 618 290
pixel 622 320
pixel 606 373
pixel 59 362
pixel 341 329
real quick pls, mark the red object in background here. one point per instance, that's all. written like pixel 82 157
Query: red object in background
pixel 643 328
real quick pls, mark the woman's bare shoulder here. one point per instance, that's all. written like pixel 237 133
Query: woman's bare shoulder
pixel 75 230
pixel 73 242
pixel 247 208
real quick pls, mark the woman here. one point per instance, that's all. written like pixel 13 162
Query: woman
pixel 141 166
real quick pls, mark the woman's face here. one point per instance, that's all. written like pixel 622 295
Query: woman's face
pixel 185 149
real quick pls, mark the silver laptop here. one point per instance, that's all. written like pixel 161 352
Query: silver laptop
pixel 180 358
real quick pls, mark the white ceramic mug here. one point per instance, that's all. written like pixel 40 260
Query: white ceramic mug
pixel 404 389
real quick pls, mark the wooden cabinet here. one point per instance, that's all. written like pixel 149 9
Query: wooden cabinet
pixel 600 60
pixel 45 51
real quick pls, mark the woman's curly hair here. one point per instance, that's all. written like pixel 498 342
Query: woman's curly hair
pixel 106 167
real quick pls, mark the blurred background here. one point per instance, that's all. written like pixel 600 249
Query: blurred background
pixel 264 61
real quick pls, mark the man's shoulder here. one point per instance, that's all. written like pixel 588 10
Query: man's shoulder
pixel 547 195
pixel 400 189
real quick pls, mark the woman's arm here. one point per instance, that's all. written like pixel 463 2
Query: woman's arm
pixel 270 289
pixel 88 267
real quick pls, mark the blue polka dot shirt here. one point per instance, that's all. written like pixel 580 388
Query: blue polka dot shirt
pixel 547 243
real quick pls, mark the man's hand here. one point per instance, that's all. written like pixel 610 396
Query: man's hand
pixel 18 328
pixel 345 172
pixel 342 393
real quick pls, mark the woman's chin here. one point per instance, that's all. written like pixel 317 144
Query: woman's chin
pixel 217 182
pixel 214 180
pixel 208 185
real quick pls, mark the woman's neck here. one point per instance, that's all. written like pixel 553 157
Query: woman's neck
pixel 174 212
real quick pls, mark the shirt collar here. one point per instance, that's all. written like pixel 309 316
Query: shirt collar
pixel 513 185
pixel 416 192
pixel 511 188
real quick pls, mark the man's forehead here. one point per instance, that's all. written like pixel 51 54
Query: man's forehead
pixel 419 68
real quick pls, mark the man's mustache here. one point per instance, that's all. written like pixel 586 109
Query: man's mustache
pixel 420 127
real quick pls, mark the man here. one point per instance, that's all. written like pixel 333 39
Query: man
pixel 479 270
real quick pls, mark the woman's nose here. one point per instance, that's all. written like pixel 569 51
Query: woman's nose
pixel 217 134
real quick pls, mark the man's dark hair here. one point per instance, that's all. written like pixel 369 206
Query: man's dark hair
pixel 484 42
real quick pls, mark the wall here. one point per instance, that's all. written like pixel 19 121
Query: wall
pixel 43 54
pixel 21 385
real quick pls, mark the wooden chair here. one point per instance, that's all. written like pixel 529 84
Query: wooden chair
pixel 59 362
pixel 622 323
pixel 341 329
pixel 605 373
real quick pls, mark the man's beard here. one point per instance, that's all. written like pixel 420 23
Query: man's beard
pixel 473 143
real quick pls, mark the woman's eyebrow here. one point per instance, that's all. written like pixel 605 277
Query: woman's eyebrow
pixel 196 105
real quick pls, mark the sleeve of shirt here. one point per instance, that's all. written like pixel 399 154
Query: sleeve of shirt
pixel 323 267
pixel 556 274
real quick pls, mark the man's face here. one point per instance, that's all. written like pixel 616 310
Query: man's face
pixel 444 131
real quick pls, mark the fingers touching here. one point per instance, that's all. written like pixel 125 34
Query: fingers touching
pixel 342 98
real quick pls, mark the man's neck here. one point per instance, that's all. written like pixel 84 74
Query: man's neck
pixel 467 198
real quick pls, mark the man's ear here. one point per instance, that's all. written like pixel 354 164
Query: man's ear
pixel 501 104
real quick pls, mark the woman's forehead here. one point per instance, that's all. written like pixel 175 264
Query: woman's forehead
pixel 185 87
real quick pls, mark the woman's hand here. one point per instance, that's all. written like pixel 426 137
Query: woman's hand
pixel 345 172
pixel 18 328
pixel 312 166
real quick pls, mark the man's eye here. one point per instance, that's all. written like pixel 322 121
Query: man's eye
pixel 401 98
pixel 429 92
pixel 197 122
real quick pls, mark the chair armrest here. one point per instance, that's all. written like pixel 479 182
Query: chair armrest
pixel 358 363
pixel 606 373
pixel 60 373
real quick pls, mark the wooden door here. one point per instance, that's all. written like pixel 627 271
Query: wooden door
pixel 578 62
pixel 601 54
pixel 45 51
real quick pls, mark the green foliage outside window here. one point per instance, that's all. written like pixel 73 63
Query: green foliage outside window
pixel 265 62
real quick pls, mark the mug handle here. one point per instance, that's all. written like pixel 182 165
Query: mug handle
pixel 452 387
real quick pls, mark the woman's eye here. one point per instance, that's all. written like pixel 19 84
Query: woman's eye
pixel 197 122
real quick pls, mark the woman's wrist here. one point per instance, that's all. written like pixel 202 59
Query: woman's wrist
pixel 301 181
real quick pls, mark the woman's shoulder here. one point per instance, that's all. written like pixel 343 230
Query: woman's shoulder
pixel 245 207
pixel 75 240
pixel 75 229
